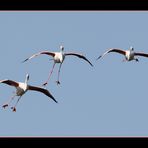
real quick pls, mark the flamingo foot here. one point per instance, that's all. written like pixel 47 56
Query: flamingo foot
pixel 5 105
pixel 58 82
pixel 13 109
pixel 45 84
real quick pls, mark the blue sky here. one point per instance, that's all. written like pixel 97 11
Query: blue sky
pixel 109 99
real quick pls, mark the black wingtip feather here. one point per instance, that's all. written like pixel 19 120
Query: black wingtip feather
pixel 25 60
pixel 92 65
pixel 55 100
pixel 98 58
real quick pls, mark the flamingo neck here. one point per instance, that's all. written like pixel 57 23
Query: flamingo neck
pixel 61 48
pixel 26 80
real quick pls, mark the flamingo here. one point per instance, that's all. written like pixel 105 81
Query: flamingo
pixel 58 57
pixel 129 54
pixel 21 89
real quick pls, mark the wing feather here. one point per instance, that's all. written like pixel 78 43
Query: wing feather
pixel 80 56
pixel 10 82
pixel 112 50
pixel 42 90
pixel 39 53
pixel 141 54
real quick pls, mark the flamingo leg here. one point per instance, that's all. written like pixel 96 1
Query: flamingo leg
pixel 124 60
pixel 9 101
pixel 58 82
pixel 14 108
pixel 49 75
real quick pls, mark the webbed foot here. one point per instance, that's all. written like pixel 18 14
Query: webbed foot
pixel 58 82
pixel 13 109
pixel 5 105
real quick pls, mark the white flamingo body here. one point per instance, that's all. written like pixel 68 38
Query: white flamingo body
pixel 58 57
pixel 129 54
pixel 22 88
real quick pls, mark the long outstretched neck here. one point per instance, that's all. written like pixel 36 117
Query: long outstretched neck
pixel 27 79
pixel 62 48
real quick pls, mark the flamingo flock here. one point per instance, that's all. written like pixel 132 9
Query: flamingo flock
pixel 58 58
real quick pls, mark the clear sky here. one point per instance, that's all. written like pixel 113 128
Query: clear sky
pixel 109 99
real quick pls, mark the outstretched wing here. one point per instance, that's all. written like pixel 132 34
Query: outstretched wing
pixel 39 53
pixel 141 54
pixel 9 82
pixel 42 90
pixel 80 56
pixel 112 50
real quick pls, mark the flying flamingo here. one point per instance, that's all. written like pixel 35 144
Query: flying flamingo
pixel 129 54
pixel 58 57
pixel 21 89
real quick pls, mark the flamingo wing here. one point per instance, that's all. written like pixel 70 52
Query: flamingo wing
pixel 80 56
pixel 10 82
pixel 42 90
pixel 141 54
pixel 112 50
pixel 39 53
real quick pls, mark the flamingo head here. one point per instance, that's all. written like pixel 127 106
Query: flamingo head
pixel 131 48
pixel 27 78
pixel 62 48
